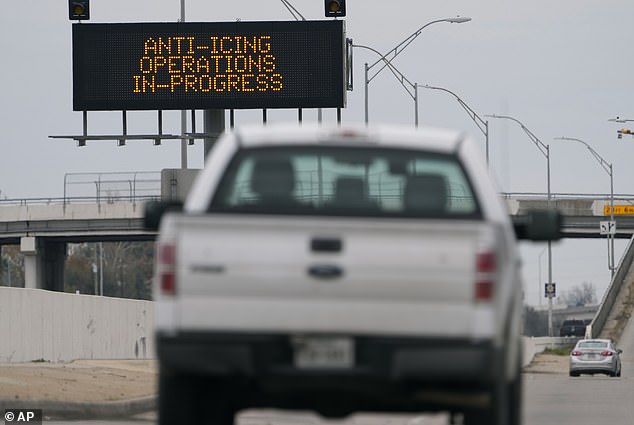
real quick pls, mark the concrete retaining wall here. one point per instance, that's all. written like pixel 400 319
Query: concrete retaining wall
pixel 36 324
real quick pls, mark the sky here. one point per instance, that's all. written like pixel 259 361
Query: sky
pixel 562 68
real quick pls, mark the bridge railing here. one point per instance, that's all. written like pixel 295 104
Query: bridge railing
pixel 100 188
pixel 629 198
pixel 114 186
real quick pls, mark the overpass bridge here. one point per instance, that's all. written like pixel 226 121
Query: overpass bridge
pixel 120 216
pixel 582 213
pixel 43 227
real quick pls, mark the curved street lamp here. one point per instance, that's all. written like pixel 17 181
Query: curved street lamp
pixel 607 167
pixel 412 92
pixel 387 58
pixel 479 122
pixel 545 150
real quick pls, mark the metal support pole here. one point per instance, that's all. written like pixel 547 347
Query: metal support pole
pixel 84 116
pixel 366 93
pixel 85 122
pixel 157 141
pixel 550 248
pixel 101 268
pixel 214 123
pixel 191 140
pixel 550 315
pixel 540 284
pixel 607 167
pixel 416 105
pixel 612 269
pixel 486 140
pixel 545 150
pixel 124 123
pixel 184 141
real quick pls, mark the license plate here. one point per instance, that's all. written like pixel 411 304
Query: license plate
pixel 323 352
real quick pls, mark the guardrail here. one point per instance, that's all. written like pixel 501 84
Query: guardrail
pixel 534 345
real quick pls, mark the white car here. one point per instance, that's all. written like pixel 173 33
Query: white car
pixel 341 269
pixel 592 356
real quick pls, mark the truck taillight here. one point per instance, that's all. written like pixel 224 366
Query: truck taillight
pixel 167 268
pixel 485 276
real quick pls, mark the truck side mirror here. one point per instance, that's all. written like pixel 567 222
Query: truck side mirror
pixel 538 225
pixel 154 210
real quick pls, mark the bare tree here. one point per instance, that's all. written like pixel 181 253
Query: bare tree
pixel 127 269
pixel 11 266
pixel 579 295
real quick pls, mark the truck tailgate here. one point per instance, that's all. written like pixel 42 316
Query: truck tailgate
pixel 289 271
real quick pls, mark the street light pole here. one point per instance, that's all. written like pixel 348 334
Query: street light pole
pixel 394 52
pixel 545 150
pixel 479 122
pixel 539 285
pixel 607 167
pixel 367 82
pixel 411 90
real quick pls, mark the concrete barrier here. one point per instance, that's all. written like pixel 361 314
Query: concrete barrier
pixel 609 298
pixel 535 345
pixel 36 324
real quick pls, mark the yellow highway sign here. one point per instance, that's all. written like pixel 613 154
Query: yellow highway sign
pixel 619 210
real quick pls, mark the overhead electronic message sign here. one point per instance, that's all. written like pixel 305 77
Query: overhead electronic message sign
pixel 223 65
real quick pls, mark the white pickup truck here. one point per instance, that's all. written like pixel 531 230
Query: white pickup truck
pixel 341 269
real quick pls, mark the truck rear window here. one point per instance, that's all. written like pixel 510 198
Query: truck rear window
pixel 328 180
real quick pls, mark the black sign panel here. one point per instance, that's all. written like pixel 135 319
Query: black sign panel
pixel 223 65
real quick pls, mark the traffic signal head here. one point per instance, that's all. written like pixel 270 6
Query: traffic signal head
pixel 78 10
pixel 335 8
